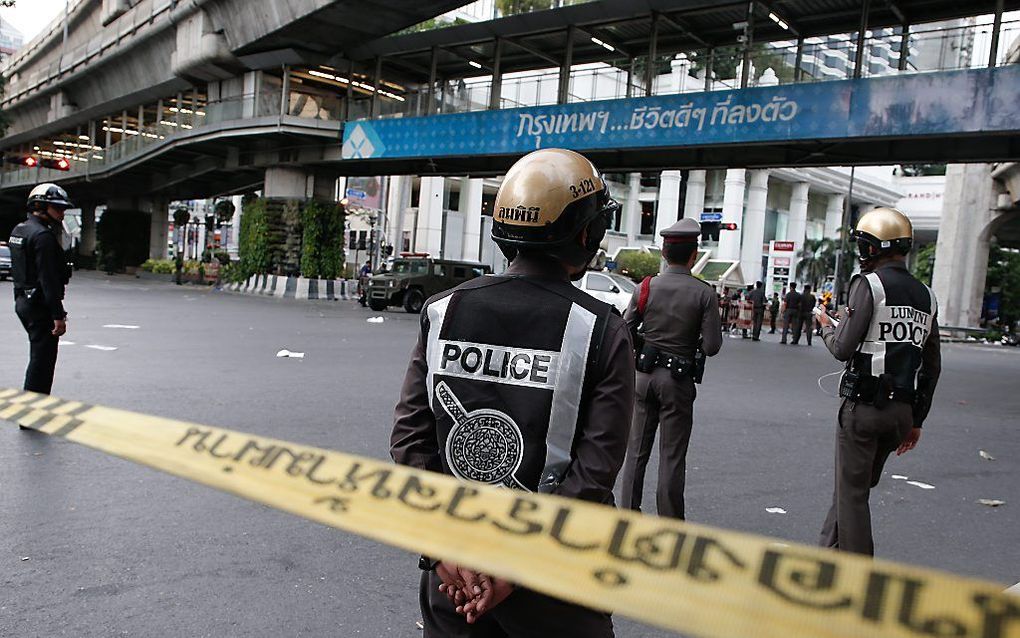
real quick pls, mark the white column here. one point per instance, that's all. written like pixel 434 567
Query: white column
pixel 733 211
pixel 398 200
pixel 669 202
pixel 471 206
pixel 680 67
pixel 694 201
pixel 235 226
pixel 834 216
pixel 632 208
pixel 754 226
pixel 797 225
pixel 429 230
pixel 87 246
pixel 158 228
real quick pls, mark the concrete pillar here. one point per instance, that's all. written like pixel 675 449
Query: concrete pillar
pixel 87 245
pixel 235 226
pixel 471 207
pixel 632 208
pixel 285 182
pixel 961 254
pixel 797 226
pixel 733 211
pixel 429 227
pixel 668 210
pixel 834 216
pixel 397 203
pixel 159 227
pixel 694 202
pixel 754 226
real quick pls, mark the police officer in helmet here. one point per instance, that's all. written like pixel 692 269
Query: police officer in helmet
pixel 674 319
pixel 889 337
pixel 40 273
pixel 522 381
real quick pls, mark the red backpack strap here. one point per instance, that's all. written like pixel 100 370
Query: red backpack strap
pixel 642 300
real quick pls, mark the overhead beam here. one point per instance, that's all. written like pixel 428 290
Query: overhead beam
pixel 594 33
pixel 682 28
pixel 467 58
pixel 533 51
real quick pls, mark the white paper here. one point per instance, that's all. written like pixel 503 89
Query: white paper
pixel 121 325
pixel 991 502
pixel 923 486
pixel 986 456
pixel 775 510
pixel 290 355
pixel 900 477
pixel 375 319
pixel 103 348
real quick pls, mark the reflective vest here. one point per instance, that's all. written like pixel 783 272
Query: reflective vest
pixel 904 311
pixel 510 364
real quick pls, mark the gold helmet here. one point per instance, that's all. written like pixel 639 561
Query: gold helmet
pixel 883 231
pixel 547 198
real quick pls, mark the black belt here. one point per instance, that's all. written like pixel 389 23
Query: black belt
pixel 24 292
pixel 674 363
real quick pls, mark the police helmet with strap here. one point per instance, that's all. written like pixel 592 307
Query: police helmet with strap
pixel 45 195
pixel 548 198
pixel 883 231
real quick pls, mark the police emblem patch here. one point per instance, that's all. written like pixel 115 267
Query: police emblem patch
pixel 484 445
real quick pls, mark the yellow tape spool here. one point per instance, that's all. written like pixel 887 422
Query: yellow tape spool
pixel 690 578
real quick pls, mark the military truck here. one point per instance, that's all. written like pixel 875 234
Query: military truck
pixel 415 277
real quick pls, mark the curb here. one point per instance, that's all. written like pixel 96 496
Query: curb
pixel 283 287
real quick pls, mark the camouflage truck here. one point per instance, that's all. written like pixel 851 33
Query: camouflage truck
pixel 416 277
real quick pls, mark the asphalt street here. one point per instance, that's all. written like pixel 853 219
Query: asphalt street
pixel 94 546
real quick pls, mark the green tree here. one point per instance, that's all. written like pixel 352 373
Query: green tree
pixel 817 260
pixel 1004 276
pixel 253 239
pixel 924 263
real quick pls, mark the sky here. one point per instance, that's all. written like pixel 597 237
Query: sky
pixel 32 16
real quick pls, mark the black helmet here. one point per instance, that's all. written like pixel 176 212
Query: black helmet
pixel 547 198
pixel 45 195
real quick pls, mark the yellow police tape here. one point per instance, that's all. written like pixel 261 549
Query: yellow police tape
pixel 690 578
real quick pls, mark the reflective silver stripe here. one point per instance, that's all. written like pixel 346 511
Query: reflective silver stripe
pixel 871 343
pixel 934 308
pixel 436 315
pixel 566 402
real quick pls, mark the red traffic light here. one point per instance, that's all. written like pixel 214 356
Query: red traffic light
pixel 29 161
pixel 58 164
pixel 728 226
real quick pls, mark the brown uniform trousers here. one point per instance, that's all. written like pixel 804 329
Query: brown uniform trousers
pixel 865 438
pixel 664 403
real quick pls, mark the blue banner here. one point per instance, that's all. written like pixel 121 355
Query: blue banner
pixel 940 103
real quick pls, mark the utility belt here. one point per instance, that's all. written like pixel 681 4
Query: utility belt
pixel 650 357
pixel 871 390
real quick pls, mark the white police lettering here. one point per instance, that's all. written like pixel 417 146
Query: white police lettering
pixel 902 324
pixel 17 241
pixel 498 364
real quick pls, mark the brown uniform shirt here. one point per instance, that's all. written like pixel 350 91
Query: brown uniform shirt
pixel 600 443
pixel 854 320
pixel 681 309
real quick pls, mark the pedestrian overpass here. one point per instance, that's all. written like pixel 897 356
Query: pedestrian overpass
pixel 455 100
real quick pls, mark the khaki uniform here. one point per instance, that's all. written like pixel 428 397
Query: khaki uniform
pixel 680 311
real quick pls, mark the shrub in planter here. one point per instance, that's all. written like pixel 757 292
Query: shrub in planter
pixel 638 265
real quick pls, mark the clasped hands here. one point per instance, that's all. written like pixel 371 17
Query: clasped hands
pixel 472 593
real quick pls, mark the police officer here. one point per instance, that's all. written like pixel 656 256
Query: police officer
pixel 791 315
pixel 889 337
pixel 806 320
pixel 525 362
pixel 757 298
pixel 669 316
pixel 40 272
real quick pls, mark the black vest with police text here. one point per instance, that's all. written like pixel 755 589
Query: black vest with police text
pixel 900 324
pixel 510 361
pixel 22 244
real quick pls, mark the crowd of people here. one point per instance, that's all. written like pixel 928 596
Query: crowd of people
pixel 744 312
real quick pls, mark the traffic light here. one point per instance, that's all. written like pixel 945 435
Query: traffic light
pixel 22 160
pixel 728 226
pixel 60 164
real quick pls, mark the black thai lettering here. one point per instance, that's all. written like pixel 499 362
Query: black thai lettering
pixel 659 550
pixel 413 488
pixel 215 446
pixel 336 504
pixel 803 580
pixel 698 565
pixel 998 614
pixel 540 368
pixel 461 494
pixel 310 474
pixel 201 434
pixel 880 602
pixel 352 481
pixel 520 507
pixel 558 534
pixel 251 445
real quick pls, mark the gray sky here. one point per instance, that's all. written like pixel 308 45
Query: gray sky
pixel 31 16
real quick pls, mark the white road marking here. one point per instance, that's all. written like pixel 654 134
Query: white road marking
pixel 103 348
pixel 121 325
pixel 923 486
pixel 900 477
pixel 775 510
